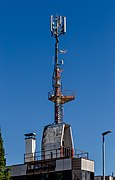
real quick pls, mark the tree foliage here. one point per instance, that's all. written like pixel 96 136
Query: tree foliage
pixel 4 172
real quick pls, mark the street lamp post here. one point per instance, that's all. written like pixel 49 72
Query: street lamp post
pixel 103 151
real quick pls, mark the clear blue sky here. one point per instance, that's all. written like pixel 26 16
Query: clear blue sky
pixel 26 51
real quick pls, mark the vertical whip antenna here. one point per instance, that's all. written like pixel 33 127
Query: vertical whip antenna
pixel 58 27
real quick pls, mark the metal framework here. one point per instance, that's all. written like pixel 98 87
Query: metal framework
pixel 58 27
pixel 66 152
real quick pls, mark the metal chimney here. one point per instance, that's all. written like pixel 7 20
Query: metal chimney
pixel 30 147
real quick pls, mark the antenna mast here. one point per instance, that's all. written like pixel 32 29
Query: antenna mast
pixel 58 27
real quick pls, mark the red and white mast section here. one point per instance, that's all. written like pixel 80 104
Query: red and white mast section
pixel 58 27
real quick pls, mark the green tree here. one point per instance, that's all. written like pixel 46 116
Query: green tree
pixel 4 172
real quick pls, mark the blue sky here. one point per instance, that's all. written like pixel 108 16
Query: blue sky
pixel 26 65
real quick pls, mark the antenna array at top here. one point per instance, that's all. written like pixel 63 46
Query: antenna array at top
pixel 58 25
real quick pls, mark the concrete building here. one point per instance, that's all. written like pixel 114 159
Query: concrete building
pixel 61 163
pixel 55 169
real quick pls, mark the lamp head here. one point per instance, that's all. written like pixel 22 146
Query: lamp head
pixel 105 133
